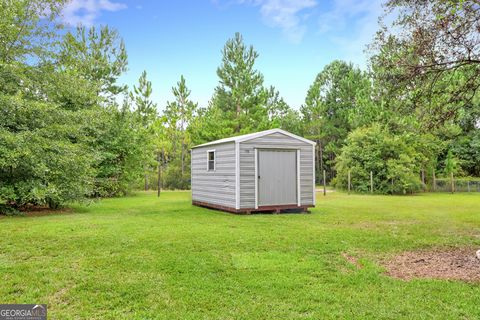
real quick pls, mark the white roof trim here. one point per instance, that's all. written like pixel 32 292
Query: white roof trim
pixel 255 135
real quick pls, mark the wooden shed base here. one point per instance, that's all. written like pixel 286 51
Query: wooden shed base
pixel 275 209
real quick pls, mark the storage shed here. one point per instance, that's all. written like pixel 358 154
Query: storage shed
pixel 265 171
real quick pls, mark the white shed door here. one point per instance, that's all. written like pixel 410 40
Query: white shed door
pixel 277 177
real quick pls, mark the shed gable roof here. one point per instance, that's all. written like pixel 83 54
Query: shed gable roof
pixel 251 136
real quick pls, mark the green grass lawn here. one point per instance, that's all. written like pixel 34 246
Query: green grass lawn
pixel 143 258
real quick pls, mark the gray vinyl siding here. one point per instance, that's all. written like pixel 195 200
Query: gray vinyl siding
pixel 215 187
pixel 274 140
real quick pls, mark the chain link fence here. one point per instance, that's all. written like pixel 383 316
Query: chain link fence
pixel 427 184
pixel 457 185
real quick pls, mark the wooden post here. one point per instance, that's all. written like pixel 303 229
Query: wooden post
pixel 159 184
pixel 324 184
pixel 452 186
pixel 468 185
pixel 349 182
pixel 434 181
pixel 371 181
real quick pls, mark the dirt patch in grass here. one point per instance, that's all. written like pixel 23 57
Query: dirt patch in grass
pixel 60 296
pixel 455 264
pixel 352 260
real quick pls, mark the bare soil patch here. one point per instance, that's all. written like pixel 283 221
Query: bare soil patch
pixel 455 264
pixel 352 260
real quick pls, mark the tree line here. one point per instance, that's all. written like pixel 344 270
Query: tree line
pixel 69 131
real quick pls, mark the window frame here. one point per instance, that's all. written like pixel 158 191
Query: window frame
pixel 214 160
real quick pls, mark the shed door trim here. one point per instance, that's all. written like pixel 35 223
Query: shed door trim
pixel 297 157
pixel 256 178
pixel 298 178
pixel 313 178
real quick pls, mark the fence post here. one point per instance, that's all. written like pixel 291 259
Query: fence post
pixel 452 183
pixel 159 174
pixel 348 181
pixel 324 184
pixel 468 185
pixel 371 181
pixel 434 182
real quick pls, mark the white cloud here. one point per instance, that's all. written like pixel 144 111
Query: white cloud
pixel 361 17
pixel 284 14
pixel 85 12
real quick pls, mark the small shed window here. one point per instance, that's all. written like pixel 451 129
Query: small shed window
pixel 211 160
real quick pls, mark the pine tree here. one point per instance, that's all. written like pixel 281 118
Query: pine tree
pixel 179 114
pixel 145 108
pixel 146 114
pixel 240 93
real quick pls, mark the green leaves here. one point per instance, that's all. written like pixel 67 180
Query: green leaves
pixel 432 66
pixel 339 100
pixel 395 160
pixel 145 108
pixel 28 30
pixel 240 93
pixel 177 131
pixel 39 164
pixel 62 137
pixel 241 102
pixel 99 56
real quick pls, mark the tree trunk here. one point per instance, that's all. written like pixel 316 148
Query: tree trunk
pixel 452 183
pixel 320 159
pixel 182 145
pixel 182 157
pixel 324 184
pixel 424 186
pixel 349 183
pixel 333 173
pixel 159 176
pixel 239 110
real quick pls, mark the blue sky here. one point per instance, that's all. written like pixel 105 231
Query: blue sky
pixel 295 38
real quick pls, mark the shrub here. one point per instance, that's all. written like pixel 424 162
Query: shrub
pixel 40 161
pixel 395 161
pixel 173 178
